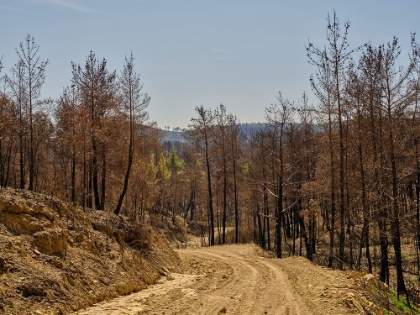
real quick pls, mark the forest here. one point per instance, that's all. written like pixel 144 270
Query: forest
pixel 337 181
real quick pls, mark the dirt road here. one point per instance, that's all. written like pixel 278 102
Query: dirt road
pixel 236 279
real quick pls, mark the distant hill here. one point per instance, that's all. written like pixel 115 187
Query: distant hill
pixel 173 136
pixel 177 134
pixel 249 128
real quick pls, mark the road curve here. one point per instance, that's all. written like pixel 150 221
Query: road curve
pixel 232 279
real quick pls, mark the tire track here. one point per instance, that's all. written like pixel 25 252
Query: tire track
pixel 229 279
pixel 273 287
pixel 222 292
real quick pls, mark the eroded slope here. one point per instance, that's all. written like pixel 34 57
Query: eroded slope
pixel 55 258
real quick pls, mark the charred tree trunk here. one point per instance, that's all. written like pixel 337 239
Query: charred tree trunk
pixel 95 184
pixel 210 194
pixel 103 186
pixel 333 207
pixel 279 210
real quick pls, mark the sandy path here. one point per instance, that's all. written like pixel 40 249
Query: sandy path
pixel 231 279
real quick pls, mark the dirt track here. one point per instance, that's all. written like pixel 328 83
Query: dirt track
pixel 235 280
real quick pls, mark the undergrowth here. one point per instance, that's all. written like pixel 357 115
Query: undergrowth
pixel 390 303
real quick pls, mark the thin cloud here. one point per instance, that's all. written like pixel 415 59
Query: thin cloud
pixel 71 6
pixel 4 7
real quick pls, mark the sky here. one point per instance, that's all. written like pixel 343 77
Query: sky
pixel 240 53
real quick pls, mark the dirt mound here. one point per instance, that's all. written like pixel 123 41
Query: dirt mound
pixel 56 258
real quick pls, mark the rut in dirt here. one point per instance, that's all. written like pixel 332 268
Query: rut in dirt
pixel 230 279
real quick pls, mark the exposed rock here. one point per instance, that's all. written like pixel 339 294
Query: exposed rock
pixel 358 306
pixel 369 277
pixel 51 242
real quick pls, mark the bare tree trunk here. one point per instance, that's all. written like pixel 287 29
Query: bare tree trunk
pixel 267 218
pixel 417 194
pixel 191 204
pixel 279 209
pixel 333 209
pixel 22 149
pixel 31 144
pixel 236 203
pixel 73 173
pixel 342 237
pixel 127 173
pixel 9 162
pixel 382 213
pixel 364 240
pixel 210 194
pixel 95 184
pixel 103 186
pixel 73 150
pixel 224 214
pixel 395 212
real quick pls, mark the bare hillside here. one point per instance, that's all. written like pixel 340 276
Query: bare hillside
pixel 55 258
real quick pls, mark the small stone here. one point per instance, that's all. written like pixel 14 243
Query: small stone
pixel 369 277
pixel 358 306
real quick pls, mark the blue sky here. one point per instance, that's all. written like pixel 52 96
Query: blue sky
pixel 202 52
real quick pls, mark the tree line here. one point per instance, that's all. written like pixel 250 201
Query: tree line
pixel 83 146
pixel 338 181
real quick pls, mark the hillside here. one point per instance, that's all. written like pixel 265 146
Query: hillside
pixel 55 258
